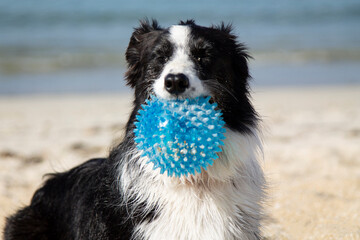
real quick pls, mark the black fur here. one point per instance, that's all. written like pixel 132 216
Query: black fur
pixel 78 204
pixel 85 202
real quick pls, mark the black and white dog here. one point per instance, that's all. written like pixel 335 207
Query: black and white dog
pixel 122 197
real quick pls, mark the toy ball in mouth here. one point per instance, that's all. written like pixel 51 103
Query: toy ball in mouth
pixel 180 136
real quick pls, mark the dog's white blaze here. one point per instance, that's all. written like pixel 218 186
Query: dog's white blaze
pixel 180 62
pixel 221 203
pixel 179 35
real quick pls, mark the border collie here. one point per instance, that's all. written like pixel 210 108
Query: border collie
pixel 122 197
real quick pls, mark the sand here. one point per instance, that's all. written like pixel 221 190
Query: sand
pixel 311 148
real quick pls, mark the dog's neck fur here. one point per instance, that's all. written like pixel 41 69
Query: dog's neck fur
pixel 221 203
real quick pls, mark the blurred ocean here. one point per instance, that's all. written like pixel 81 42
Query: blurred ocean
pixel 49 46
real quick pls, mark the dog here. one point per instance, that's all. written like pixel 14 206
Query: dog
pixel 121 196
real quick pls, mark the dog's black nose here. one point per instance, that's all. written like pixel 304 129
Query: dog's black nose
pixel 176 83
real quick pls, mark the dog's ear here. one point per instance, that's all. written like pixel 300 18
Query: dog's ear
pixel 136 49
pixel 225 28
pixel 240 65
pixel 239 56
pixel 237 103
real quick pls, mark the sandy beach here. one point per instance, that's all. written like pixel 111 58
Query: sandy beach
pixel 311 148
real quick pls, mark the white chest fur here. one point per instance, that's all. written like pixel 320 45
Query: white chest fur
pixel 221 203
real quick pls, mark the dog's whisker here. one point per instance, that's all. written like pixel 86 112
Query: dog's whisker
pixel 212 83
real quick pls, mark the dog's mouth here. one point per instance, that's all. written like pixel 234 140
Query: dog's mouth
pixel 190 93
pixel 182 96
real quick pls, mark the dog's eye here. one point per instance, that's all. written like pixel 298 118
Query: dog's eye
pixel 199 55
pixel 163 59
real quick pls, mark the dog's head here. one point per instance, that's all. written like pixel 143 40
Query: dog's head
pixel 187 61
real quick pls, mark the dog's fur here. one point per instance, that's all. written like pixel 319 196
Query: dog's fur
pixel 122 197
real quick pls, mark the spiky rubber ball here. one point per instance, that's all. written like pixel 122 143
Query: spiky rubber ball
pixel 180 137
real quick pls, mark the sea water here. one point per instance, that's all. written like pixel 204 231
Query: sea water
pixel 49 46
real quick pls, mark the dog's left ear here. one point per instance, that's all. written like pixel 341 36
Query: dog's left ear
pixel 136 49
pixel 240 66
pixel 239 57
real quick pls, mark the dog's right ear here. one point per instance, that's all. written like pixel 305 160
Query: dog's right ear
pixel 136 50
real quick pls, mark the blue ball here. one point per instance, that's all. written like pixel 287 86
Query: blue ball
pixel 180 137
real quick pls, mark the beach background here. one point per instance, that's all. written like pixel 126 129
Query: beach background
pixel 63 98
